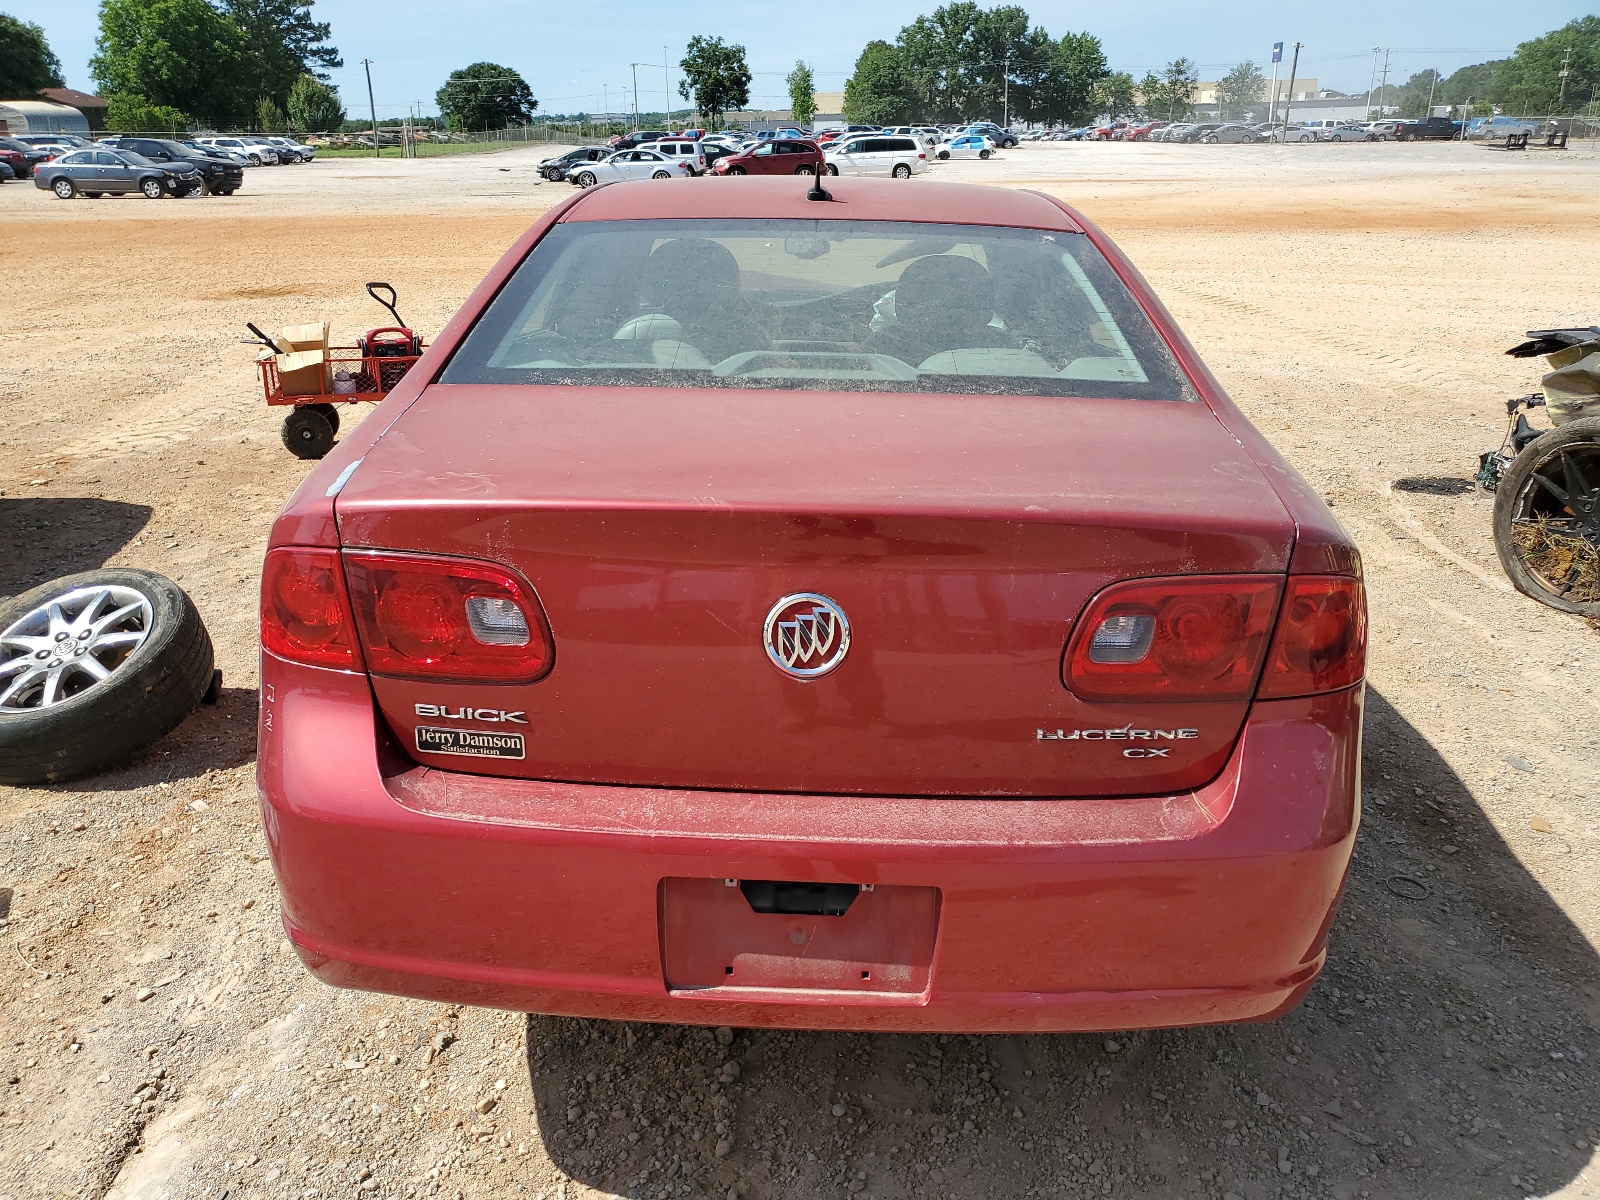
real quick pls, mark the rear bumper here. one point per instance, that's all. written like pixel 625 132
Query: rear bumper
pixel 1206 907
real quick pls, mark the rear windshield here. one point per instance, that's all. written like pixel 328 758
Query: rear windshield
pixel 818 305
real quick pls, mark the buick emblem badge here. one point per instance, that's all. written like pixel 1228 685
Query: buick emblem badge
pixel 807 635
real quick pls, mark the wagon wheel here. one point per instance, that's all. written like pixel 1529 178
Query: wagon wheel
pixel 1547 519
pixel 307 433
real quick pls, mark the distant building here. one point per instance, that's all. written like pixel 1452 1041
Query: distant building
pixel 92 107
pixel 42 116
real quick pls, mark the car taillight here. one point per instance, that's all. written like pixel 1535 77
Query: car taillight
pixel 422 616
pixel 1321 642
pixel 305 614
pixel 1196 638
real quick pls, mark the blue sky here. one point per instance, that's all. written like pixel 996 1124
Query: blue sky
pixel 577 56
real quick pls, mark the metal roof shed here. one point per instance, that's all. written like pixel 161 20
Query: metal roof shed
pixel 39 116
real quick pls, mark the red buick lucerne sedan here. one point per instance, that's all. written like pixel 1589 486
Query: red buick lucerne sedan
pixel 769 607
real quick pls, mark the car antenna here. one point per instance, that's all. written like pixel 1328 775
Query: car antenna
pixel 817 191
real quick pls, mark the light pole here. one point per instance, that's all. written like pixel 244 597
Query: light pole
pixel 1566 61
pixel 666 83
pixel 1372 79
pixel 376 153
pixel 1272 104
pixel 1288 101
pixel 635 67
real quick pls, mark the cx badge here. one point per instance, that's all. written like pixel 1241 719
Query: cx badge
pixel 806 635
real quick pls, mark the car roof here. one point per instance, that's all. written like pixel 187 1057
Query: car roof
pixel 784 198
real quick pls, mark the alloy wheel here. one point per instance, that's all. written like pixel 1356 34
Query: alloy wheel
pixel 65 647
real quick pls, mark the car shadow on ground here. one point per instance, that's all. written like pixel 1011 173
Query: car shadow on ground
pixel 1448 1050
pixel 45 537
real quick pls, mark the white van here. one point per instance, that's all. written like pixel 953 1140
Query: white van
pixel 688 152
pixel 876 154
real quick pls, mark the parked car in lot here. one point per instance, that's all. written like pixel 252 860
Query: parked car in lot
pixel 685 150
pixel 54 142
pixel 1346 131
pixel 253 156
pixel 966 145
pixel 786 157
pixel 1143 133
pixel 1003 139
pixel 629 164
pixel 95 173
pixel 1427 129
pixel 1233 132
pixel 631 141
pixel 1295 133
pixel 1382 131
pixel 555 168
pixel 1174 132
pixel 220 176
pixel 900 157
pixel 294 151
pixel 16 164
pixel 987 672
pixel 33 155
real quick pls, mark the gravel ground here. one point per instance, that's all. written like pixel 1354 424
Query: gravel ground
pixel 162 1041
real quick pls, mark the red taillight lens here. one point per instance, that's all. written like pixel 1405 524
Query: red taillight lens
pixel 1199 638
pixel 305 616
pixel 427 617
pixel 1321 643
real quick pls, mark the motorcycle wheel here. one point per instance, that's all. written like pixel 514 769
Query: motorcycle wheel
pixel 1547 519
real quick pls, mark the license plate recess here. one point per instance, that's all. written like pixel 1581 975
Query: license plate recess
pixel 713 938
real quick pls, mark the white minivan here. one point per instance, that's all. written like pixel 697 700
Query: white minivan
pixel 876 154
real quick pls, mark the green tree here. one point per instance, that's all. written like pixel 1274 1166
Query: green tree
pixel 1529 83
pixel 1069 90
pixel 285 43
pixel 1169 96
pixel 180 54
pixel 269 117
pixel 26 60
pixel 1411 97
pixel 962 62
pixel 878 91
pixel 716 78
pixel 486 96
pixel 1114 96
pixel 1240 91
pixel 802 94
pixel 135 114
pixel 314 106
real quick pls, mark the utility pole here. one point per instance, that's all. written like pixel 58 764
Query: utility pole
pixel 635 67
pixel 1005 104
pixel 1433 82
pixel 376 153
pixel 1272 104
pixel 1372 79
pixel 1566 69
pixel 1288 100
pixel 666 82
pixel 1383 88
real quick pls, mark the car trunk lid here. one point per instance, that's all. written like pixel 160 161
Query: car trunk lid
pixel 960 536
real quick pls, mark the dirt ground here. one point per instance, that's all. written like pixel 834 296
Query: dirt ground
pixel 160 1040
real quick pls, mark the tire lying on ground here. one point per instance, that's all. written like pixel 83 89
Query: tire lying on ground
pixel 93 668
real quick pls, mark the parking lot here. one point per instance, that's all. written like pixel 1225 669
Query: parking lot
pixel 162 1040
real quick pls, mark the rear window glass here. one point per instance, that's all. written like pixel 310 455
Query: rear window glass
pixel 818 305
